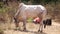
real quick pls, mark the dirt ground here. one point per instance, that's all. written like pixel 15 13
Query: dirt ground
pixel 33 28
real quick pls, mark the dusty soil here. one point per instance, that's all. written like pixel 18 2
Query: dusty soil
pixel 33 28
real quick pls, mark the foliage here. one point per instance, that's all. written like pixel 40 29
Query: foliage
pixel 25 0
pixel 41 1
pixel 1 31
pixel 1 4
pixel 4 9
pixel 50 4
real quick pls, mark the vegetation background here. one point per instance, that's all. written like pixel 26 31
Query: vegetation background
pixel 9 7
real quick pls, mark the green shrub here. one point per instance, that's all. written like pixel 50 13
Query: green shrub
pixel 4 9
pixel 1 4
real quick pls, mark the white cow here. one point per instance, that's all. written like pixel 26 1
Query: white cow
pixel 26 11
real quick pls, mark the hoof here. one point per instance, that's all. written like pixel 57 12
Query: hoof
pixel 17 28
pixel 44 26
pixel 25 30
pixel 39 31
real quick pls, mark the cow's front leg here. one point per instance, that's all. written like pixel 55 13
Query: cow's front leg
pixel 40 27
pixel 16 23
pixel 17 26
pixel 24 25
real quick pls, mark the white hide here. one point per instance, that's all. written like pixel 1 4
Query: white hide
pixel 30 10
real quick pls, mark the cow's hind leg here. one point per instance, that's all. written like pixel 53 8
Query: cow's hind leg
pixel 24 25
pixel 40 27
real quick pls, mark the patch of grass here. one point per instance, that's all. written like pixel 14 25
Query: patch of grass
pixel 30 20
pixel 1 31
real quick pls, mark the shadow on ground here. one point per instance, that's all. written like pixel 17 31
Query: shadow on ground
pixel 35 32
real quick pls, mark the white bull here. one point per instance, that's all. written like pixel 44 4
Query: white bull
pixel 26 11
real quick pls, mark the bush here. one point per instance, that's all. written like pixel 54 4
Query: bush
pixel 1 4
